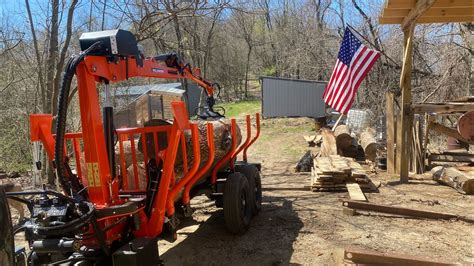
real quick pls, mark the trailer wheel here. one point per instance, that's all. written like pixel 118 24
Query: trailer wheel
pixel 237 210
pixel 255 184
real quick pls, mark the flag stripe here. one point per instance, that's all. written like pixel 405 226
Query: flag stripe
pixel 353 63
pixel 339 65
pixel 359 64
pixel 347 90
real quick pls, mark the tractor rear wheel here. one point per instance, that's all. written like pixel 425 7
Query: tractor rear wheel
pixel 237 210
pixel 255 184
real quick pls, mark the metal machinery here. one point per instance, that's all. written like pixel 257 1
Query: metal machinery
pixel 98 219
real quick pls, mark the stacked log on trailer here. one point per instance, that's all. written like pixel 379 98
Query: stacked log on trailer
pixel 332 173
pixel 222 144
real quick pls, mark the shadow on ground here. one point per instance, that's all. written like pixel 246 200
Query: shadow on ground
pixel 269 241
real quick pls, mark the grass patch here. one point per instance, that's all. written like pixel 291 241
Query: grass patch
pixel 241 108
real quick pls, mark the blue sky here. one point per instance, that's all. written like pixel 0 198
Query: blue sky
pixel 14 11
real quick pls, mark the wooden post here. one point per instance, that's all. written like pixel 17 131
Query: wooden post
pixel 398 137
pixel 407 120
pixel 390 126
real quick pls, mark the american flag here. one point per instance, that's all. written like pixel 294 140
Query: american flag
pixel 353 63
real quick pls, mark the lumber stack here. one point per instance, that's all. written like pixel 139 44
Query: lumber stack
pixel 331 173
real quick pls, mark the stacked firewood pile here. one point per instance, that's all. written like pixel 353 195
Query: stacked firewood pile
pixel 334 172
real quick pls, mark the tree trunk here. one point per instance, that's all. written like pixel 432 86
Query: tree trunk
pixel 51 67
pixel 62 56
pixel 39 62
pixel 52 54
pixel 247 72
pixel 7 251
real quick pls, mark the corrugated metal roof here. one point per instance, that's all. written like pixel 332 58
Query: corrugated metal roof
pixel 172 88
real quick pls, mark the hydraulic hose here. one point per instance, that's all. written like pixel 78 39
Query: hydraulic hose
pixel 59 159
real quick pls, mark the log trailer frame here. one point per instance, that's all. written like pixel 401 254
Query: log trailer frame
pixel 98 219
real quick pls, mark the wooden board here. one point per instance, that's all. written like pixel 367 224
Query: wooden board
pixel 467 158
pixel 355 193
pixel 449 107
pixel 328 147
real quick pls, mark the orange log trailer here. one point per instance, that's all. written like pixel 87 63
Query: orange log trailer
pixel 98 218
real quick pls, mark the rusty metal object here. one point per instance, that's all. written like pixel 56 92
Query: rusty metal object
pixel 466 125
pixel 363 256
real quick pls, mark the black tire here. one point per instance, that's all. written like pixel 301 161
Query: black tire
pixel 255 184
pixel 237 211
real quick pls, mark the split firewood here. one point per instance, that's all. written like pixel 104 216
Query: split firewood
pixel 328 147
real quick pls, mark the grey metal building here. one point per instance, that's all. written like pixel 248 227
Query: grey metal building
pixel 282 97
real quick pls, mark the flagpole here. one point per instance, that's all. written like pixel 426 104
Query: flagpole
pixel 337 122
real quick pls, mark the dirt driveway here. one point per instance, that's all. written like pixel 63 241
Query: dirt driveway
pixel 297 226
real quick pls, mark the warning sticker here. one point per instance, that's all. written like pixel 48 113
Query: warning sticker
pixel 90 175
pixel 96 174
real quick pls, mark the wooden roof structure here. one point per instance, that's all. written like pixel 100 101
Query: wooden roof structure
pixel 407 13
pixel 427 11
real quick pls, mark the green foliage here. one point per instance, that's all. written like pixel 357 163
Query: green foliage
pixel 269 71
pixel 242 108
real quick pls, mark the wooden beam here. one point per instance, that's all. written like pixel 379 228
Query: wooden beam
pixel 390 126
pixel 409 4
pixel 369 257
pixel 425 20
pixel 432 12
pixel 448 107
pixel 407 116
pixel 449 132
pixel 421 7
pixel 372 207
pixel 459 158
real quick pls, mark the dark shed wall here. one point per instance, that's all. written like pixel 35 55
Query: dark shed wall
pixel 193 95
pixel 292 98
